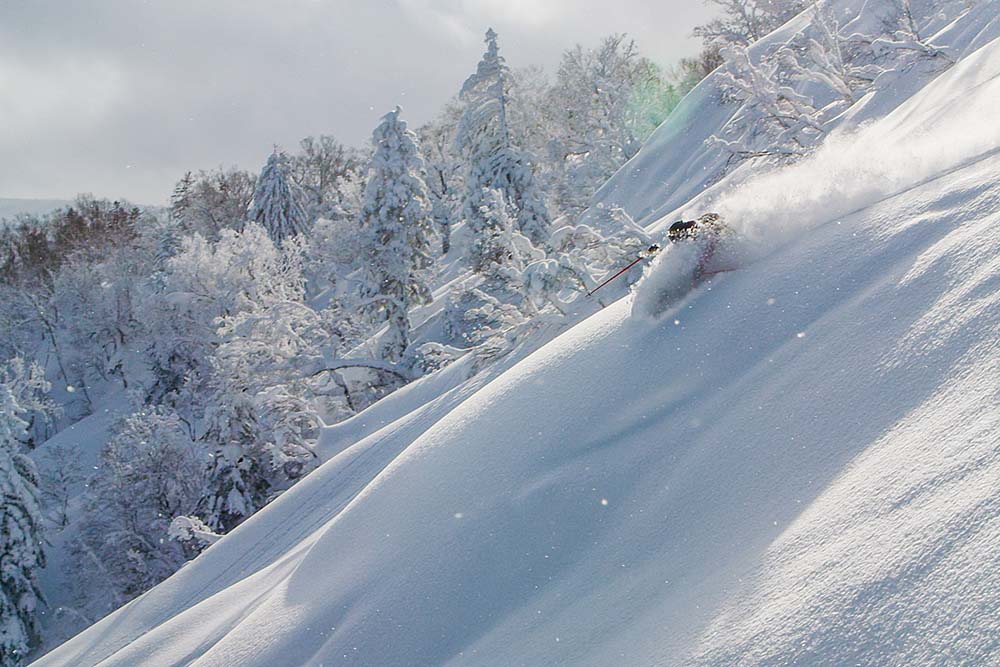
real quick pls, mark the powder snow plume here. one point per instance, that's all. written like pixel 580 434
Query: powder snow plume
pixel 853 170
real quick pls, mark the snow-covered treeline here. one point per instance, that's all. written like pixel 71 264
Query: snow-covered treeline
pixel 228 329
pixel 225 330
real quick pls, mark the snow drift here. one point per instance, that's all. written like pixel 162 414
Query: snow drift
pixel 799 467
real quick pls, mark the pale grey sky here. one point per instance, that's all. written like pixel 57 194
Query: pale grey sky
pixel 120 97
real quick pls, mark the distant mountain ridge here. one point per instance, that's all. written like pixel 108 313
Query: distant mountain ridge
pixel 12 207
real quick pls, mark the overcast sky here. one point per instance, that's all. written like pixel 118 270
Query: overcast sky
pixel 120 97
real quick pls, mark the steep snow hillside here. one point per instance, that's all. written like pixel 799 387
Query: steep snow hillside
pixel 799 463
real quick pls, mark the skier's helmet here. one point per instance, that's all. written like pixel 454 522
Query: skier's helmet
pixel 681 229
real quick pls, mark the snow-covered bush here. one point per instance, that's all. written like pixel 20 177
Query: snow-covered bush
pixel 826 57
pixel 472 316
pixel 192 532
pixel 789 94
pixel 431 357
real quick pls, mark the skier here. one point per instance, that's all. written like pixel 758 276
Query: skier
pixel 708 231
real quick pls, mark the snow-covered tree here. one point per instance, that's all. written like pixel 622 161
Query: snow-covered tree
pixel 97 300
pixel 492 306
pixel 237 480
pixel 443 170
pixel 264 357
pixel 493 159
pixel 62 472
pixel 397 217
pixel 203 282
pixel 689 72
pixel 21 539
pixel 774 119
pixel 827 57
pixel 499 250
pixel 318 169
pixel 210 201
pixel 277 201
pixel 31 391
pixel 228 322
pixel 604 104
pixel 743 22
pixel 149 472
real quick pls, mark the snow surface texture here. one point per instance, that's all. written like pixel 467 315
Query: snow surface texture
pixel 799 466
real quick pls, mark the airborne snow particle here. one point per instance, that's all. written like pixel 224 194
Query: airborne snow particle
pixel 604 501
pixel 458 515
pixel 801 334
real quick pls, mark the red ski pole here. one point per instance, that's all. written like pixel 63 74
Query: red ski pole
pixel 636 261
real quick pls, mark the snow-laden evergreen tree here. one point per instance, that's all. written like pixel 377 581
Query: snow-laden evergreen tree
pixel 493 160
pixel 397 216
pixel 21 553
pixel 277 202
pixel 500 250
pixel 491 308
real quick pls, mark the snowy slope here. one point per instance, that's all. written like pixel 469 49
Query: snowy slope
pixel 77 447
pixel 799 465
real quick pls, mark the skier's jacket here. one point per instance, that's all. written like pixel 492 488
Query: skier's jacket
pixel 708 231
